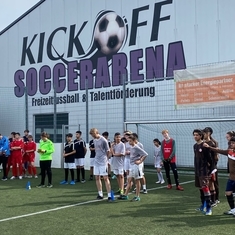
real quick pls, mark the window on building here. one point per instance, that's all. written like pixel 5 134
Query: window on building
pixel 45 122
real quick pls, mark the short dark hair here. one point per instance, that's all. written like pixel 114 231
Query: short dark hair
pixel 231 133
pixel 78 132
pixel 133 137
pixel 157 140
pixel 69 135
pixel 13 133
pixel 26 130
pixel 105 133
pixel 232 139
pixel 30 136
pixel 17 133
pixel 199 132
pixel 117 133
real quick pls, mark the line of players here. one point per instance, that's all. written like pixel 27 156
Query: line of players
pixel 18 153
pixel 206 175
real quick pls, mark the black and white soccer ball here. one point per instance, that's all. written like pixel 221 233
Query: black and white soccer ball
pixel 110 33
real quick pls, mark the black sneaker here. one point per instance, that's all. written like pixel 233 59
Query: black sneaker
pixel 110 199
pixel 40 186
pixel 91 178
pixel 49 186
pixel 99 197
pixel 4 178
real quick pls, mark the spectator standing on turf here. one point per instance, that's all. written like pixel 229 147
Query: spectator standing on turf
pixel 69 162
pixel 80 147
pixel 101 163
pixel 46 149
pixel 4 154
pixel 168 149
pixel 202 167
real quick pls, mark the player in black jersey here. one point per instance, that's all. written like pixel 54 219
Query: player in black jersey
pixel 69 163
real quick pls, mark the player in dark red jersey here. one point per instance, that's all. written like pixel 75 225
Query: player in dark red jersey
pixel 29 153
pixel 17 145
pixel 169 159
pixel 202 167
pixel 230 188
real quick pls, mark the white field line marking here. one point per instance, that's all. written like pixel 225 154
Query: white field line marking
pixel 73 205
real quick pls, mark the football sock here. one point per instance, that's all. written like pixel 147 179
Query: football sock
pixel 161 176
pixel 109 194
pixel 78 174
pixel 30 170
pixel 100 193
pixel 144 186
pixel 49 175
pixel 72 174
pixel 34 170
pixel 20 169
pixel 230 201
pixel 66 174
pixel 83 173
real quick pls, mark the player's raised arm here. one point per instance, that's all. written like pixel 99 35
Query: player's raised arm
pixel 221 151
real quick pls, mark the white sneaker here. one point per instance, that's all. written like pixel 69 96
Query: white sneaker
pixel 158 182
pixel 30 176
pixel 163 182
pixel 35 176
pixel 13 177
pixel 230 212
pixel 20 177
pixel 145 191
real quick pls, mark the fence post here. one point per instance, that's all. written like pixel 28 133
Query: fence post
pixel 124 101
pixel 55 118
pixel 26 108
pixel 87 114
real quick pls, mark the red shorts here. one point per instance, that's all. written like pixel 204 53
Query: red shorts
pixel 17 159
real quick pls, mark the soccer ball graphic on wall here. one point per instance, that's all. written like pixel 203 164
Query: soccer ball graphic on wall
pixel 109 33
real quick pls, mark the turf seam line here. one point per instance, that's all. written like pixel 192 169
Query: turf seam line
pixel 73 205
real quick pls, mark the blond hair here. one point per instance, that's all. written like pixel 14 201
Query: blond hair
pixel 165 131
pixel 93 130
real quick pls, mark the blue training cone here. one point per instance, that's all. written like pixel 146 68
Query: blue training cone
pixel 112 195
pixel 28 186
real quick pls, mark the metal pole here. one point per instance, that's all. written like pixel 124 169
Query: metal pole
pixel 124 101
pixel 87 114
pixel 55 118
pixel 137 130
pixel 26 109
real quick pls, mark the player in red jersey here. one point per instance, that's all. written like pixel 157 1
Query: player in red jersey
pixel 17 145
pixel 29 153
pixel 169 159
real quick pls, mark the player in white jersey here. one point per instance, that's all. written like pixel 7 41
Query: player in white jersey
pixel 118 152
pixel 101 163
pixel 127 154
pixel 137 157
pixel 158 160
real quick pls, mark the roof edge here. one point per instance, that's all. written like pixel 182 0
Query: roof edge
pixel 21 17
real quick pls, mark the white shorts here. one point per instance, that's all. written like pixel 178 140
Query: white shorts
pixel 127 165
pixel 157 163
pixel 68 165
pixel 136 171
pixel 100 170
pixel 79 161
pixel 92 162
pixel 119 171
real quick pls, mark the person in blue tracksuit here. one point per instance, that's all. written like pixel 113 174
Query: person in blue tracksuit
pixel 4 153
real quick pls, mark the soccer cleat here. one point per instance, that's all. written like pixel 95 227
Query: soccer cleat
pixel 230 212
pixel 208 212
pixel 169 186
pixel 118 192
pixel 133 191
pixel 35 176
pixel 72 182
pixel 4 178
pixel 40 186
pixel 114 177
pixel 12 178
pixel 179 188
pixel 29 176
pixel 158 182
pixel 91 178
pixel 123 197
pixel 99 197
pixel 49 186
pixel 145 191
pixel 83 181
pixel 20 177
pixel 214 204
pixel 217 201
pixel 201 208
pixel 163 182
pixel 135 199
pixel 63 182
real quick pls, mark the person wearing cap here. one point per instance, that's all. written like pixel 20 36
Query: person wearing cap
pixel 4 153
pixel 69 159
